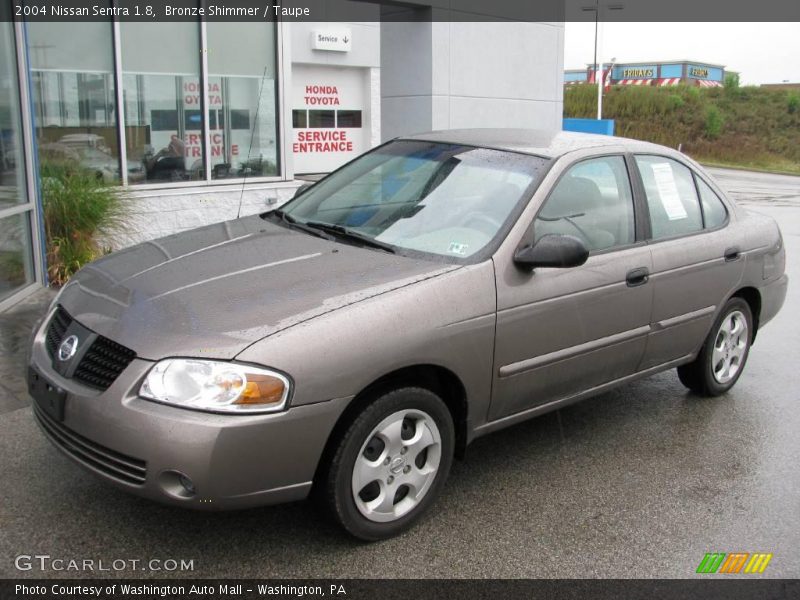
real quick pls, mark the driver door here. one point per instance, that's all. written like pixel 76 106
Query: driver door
pixel 564 331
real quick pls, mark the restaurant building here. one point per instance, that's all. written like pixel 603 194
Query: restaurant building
pixel 686 72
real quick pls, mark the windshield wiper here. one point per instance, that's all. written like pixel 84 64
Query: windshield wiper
pixel 344 232
pixel 295 224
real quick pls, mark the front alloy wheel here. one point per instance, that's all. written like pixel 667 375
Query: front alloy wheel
pixel 390 464
pixel 397 465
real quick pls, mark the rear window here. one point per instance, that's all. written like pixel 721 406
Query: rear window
pixel 714 211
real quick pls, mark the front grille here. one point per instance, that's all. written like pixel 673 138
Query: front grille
pixel 55 333
pixel 108 462
pixel 103 361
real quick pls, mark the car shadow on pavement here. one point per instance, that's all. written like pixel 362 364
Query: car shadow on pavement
pixel 556 473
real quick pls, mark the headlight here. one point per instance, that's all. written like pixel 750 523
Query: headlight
pixel 215 386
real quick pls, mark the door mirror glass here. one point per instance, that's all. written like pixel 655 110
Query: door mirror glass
pixel 553 250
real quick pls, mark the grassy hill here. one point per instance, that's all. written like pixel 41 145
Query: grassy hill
pixel 735 126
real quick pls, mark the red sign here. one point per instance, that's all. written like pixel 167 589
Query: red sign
pixel 333 140
pixel 191 94
pixel 321 95
pixel 194 145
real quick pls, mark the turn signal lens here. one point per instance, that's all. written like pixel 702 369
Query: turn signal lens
pixel 215 386
pixel 262 389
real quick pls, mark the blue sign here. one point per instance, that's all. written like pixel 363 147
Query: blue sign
pixel 601 126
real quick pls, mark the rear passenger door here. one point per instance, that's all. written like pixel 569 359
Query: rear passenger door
pixel 695 267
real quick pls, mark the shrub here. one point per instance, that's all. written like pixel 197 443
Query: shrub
pixel 793 103
pixel 79 208
pixel 693 93
pixel 675 101
pixel 731 81
pixel 714 122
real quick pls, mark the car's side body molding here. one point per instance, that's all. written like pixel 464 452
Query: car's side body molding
pixel 571 352
pixel 540 409
pixel 685 318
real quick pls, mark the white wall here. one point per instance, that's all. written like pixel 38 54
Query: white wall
pixel 447 75
pixel 156 213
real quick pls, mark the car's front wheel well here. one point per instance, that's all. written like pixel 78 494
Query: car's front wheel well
pixel 439 380
pixel 753 298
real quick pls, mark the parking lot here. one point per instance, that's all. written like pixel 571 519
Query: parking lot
pixel 638 482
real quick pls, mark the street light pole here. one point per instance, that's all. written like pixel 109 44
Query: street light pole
pixel 598 67
pixel 600 87
pixel 598 78
pixel 596 21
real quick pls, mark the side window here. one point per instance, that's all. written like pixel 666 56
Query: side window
pixel 714 210
pixel 593 202
pixel 671 196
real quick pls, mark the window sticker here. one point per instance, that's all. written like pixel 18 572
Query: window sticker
pixel 458 248
pixel 668 191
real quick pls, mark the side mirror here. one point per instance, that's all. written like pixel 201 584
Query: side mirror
pixel 553 250
pixel 302 189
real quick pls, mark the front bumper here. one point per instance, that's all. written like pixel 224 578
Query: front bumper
pixel 233 461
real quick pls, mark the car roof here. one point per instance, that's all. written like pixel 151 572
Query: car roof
pixel 541 142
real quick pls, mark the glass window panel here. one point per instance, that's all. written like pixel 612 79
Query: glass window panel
pixel 592 201
pixel 321 118
pixel 72 78
pixel 671 196
pixel 242 93
pixel 299 119
pixel 16 262
pixel 713 209
pixel 444 199
pixel 348 118
pixel 12 166
pixel 162 100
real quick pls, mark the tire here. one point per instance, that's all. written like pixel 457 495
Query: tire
pixel 390 464
pixel 723 356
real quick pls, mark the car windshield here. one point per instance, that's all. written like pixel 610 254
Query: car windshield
pixel 444 199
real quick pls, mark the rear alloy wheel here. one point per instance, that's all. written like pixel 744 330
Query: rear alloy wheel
pixel 391 463
pixel 724 354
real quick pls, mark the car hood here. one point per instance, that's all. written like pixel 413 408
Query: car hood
pixel 215 290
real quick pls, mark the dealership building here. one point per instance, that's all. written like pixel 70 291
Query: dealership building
pixel 199 120
pixel 686 72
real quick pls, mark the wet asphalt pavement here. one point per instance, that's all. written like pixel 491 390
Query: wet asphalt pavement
pixel 639 482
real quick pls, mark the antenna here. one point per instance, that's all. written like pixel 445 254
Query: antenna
pixel 250 149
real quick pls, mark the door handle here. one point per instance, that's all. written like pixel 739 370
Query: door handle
pixel 638 276
pixel 732 254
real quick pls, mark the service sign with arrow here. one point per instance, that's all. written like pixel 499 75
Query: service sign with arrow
pixel 332 40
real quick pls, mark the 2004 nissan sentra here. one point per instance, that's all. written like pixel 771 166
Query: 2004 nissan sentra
pixel 437 288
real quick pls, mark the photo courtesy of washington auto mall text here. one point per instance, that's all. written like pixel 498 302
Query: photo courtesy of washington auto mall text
pixel 399 299
pixel 177 590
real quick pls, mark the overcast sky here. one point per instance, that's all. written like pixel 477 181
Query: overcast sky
pixel 760 52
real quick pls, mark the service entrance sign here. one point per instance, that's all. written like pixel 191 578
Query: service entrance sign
pixel 328 117
pixel 332 40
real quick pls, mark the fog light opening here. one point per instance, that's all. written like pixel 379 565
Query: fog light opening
pixel 177 485
pixel 187 484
